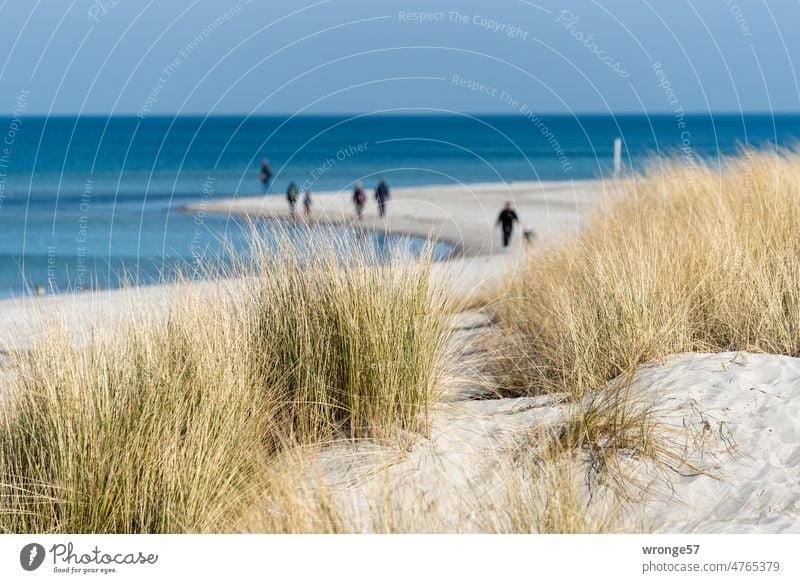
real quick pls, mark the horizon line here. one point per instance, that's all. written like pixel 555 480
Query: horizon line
pixel 415 113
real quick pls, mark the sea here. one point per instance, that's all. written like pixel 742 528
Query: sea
pixel 90 202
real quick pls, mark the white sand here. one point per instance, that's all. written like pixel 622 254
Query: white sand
pixel 744 411
pixel 463 215
pixel 736 414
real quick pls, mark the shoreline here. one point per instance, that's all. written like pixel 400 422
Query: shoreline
pixel 459 215
pixel 462 215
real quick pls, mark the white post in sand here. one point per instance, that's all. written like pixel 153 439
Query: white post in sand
pixel 617 157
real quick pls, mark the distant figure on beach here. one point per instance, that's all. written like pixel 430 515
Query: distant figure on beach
pixel 307 203
pixel 506 220
pixel 382 196
pixel 291 196
pixel 265 176
pixel 359 198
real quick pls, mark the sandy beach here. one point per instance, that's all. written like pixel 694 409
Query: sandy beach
pixel 746 466
pixel 463 216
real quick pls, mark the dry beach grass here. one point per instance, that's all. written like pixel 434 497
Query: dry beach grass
pixel 686 259
pixel 171 426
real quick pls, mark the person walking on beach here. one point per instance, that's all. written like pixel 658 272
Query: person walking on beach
pixel 291 196
pixel 506 220
pixel 265 176
pixel 382 196
pixel 307 203
pixel 359 198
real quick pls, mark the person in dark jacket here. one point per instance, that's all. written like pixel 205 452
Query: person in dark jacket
pixel 382 196
pixel 506 220
pixel 291 196
pixel 265 176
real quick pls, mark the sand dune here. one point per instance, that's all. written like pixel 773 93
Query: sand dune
pixel 744 411
pixel 736 417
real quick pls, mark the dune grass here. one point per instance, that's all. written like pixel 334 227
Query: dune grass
pixel 348 346
pixel 682 258
pixel 171 426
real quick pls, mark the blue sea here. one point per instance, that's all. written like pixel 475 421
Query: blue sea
pixel 85 200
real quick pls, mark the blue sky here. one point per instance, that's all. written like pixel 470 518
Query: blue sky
pixel 343 56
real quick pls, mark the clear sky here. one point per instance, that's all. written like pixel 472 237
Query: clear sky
pixel 344 56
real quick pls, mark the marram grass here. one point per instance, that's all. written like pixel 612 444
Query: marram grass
pixel 681 259
pixel 170 426
pixel 685 258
